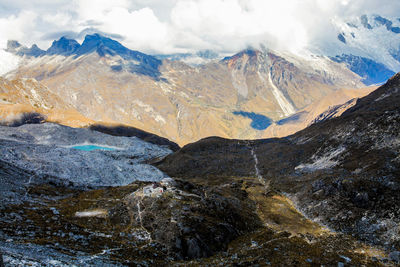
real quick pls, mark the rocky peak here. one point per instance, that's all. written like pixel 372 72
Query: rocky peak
pixel 16 48
pixel 63 46
pixel 96 42
pixel 248 53
pixel 103 46
pixel 148 65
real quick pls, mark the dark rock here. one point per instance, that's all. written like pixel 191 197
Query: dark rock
pixel 193 249
pixel 122 130
pixel 341 38
pixel 317 185
pixel 25 118
pixel 383 21
pixel 395 256
pixel 361 199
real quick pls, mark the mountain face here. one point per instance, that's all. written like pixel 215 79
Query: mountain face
pixel 371 71
pixel 342 172
pixel 369 45
pixel 104 81
pixel 63 46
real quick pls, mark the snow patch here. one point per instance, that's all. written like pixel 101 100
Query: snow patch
pixel 324 162
pixel 385 95
pixel 93 213
pixel 149 109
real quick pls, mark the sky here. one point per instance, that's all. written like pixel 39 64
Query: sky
pixel 173 26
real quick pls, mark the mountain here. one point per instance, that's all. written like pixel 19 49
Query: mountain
pixel 327 195
pixel 371 71
pixel 341 172
pixel 139 62
pixel 16 48
pixel 369 45
pixel 105 81
pixel 63 46
pixel 26 101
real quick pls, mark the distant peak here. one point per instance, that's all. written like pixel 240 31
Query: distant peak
pixel 63 46
pixel 16 48
pixel 95 36
pixel 13 44
pixel 250 52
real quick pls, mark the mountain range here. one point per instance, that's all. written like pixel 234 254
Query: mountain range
pixel 243 96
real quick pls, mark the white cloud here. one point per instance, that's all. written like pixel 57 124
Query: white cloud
pixel 165 26
pixel 141 28
pixel 8 62
pixel 17 26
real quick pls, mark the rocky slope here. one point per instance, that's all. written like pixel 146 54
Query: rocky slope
pixel 51 150
pixel 27 100
pixel 104 81
pixel 342 172
pixel 203 222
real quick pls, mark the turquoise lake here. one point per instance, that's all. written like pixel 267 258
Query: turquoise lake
pixel 92 147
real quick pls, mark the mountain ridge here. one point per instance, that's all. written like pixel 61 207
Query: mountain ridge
pixel 145 64
pixel 196 101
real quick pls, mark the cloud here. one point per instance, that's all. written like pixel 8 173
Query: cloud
pixel 167 26
pixel 8 62
pixel 223 23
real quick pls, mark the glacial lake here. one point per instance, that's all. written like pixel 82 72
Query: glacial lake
pixel 92 147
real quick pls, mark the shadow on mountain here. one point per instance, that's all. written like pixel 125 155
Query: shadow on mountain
pixel 258 121
pixel 292 119
pixel 24 118
pixel 128 131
